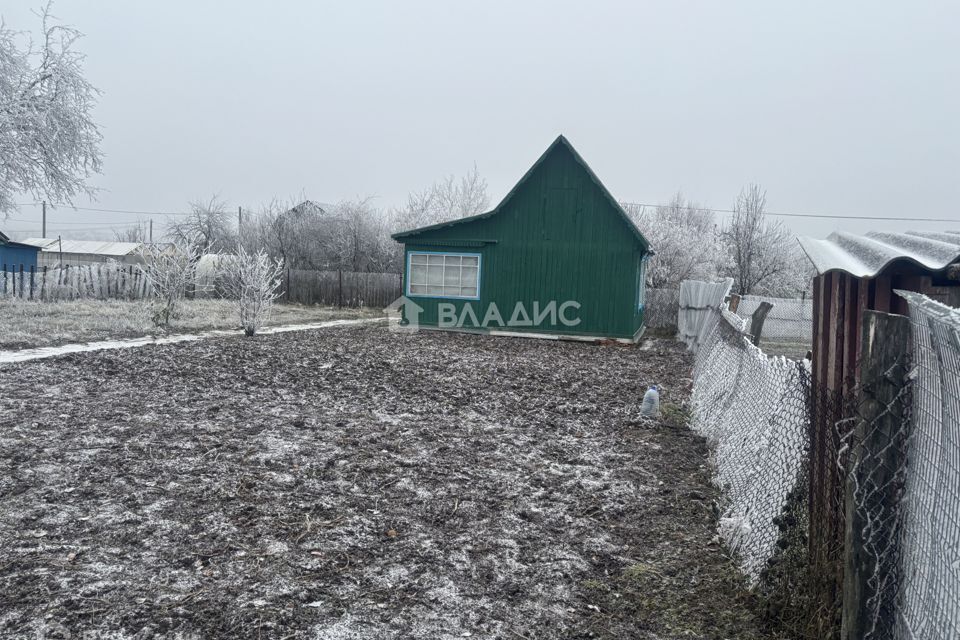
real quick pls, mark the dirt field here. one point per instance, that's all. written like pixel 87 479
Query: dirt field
pixel 355 483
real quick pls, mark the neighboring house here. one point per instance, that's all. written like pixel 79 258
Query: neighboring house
pixel 557 256
pixel 15 256
pixel 54 252
pixel 309 207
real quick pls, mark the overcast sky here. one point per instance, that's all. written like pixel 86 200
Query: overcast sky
pixel 835 107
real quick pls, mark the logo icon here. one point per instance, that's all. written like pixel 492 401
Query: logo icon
pixel 403 315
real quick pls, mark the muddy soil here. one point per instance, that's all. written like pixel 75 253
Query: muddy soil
pixel 356 483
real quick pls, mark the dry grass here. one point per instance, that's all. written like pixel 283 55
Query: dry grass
pixel 26 324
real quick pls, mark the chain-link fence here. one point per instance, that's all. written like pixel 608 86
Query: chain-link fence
pixel 929 596
pixel 790 319
pixel 754 411
pixel 895 556
pixel 787 327
pixel 662 306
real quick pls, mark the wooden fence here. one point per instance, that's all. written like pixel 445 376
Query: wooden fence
pixel 114 281
pixel 341 288
pixel 102 281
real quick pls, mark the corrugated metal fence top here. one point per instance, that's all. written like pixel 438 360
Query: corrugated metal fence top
pixel 698 302
pixel 703 295
pixel 868 255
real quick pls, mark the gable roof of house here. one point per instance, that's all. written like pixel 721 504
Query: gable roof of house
pixel 561 141
pixel 311 207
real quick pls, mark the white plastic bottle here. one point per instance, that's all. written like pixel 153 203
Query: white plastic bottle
pixel 651 402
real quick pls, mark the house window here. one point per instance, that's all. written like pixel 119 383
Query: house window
pixel 445 275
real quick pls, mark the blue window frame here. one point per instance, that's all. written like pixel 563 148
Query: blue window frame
pixel 642 284
pixel 441 274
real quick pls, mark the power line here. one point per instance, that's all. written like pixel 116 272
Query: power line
pixel 778 214
pixel 130 211
pixel 101 223
pixel 781 214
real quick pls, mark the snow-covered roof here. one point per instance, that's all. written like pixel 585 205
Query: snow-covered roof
pixel 867 255
pixel 96 247
pixel 312 207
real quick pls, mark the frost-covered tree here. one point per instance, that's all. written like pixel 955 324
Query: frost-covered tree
pixel 171 272
pixel 297 231
pixel 49 143
pixel 447 199
pixel 207 228
pixel 361 239
pixel 252 281
pixel 685 238
pixel 763 251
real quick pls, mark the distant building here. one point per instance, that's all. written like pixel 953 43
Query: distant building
pixel 309 207
pixel 55 252
pixel 16 255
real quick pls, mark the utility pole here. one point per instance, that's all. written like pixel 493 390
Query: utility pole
pixel 43 232
pixel 151 230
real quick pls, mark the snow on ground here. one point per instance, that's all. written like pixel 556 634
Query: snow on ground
pixel 351 482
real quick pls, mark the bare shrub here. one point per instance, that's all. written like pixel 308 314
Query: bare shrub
pixel 171 272
pixel 252 281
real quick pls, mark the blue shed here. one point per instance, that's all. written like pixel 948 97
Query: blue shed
pixel 16 254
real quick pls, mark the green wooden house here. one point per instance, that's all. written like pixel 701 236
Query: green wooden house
pixel 557 257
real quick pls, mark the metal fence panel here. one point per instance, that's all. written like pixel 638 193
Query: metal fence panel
pixel 698 301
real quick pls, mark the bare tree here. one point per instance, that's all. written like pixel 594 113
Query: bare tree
pixel 135 233
pixel 49 143
pixel 171 272
pixel 685 238
pixel 252 280
pixel 447 199
pixel 761 249
pixel 300 234
pixel 354 243
pixel 208 227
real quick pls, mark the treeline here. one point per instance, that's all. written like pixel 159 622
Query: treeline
pixel 352 235
pixel 757 251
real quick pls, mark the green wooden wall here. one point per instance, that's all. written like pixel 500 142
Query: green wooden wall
pixel 556 237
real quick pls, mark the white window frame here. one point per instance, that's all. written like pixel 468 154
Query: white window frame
pixel 407 283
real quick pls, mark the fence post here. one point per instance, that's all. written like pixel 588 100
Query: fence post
pixel 757 319
pixel 340 288
pixel 875 459
pixel 734 303
pixel 33 269
pixel 43 282
pixel 288 285
pixel 4 278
